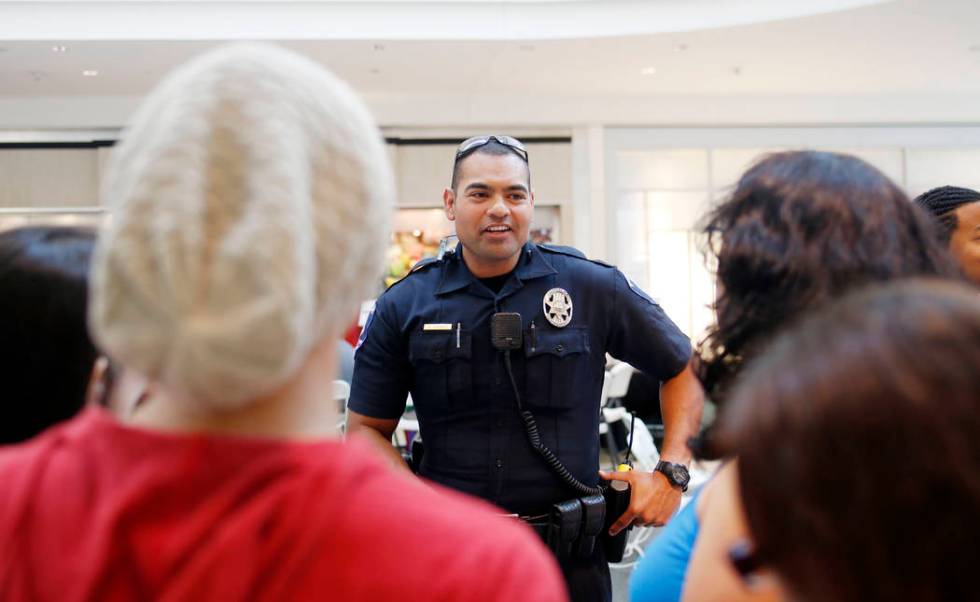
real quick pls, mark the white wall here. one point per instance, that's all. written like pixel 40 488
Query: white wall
pixel 659 182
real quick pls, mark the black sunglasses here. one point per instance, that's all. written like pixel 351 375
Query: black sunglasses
pixel 471 144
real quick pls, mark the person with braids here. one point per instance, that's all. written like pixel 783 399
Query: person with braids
pixel 800 229
pixel 957 211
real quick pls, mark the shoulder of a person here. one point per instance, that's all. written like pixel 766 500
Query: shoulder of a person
pixel 433 507
pixel 474 547
pixel 576 256
pixel 424 274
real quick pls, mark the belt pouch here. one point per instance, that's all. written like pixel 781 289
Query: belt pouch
pixel 593 518
pixel 566 522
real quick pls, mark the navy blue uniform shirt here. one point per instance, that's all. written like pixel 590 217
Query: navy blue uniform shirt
pixel 468 417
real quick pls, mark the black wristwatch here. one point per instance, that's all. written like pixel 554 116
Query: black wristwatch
pixel 676 474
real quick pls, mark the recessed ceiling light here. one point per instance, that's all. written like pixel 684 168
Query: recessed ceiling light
pixel 648 71
pixel 59 48
pixel 90 72
pixel 680 48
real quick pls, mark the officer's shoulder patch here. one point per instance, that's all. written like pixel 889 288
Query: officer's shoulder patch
pixel 571 252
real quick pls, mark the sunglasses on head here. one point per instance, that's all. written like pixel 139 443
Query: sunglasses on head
pixel 471 144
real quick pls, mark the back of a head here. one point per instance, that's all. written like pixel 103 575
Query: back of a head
pixel 802 228
pixel 250 202
pixel 46 355
pixel 858 451
pixel 941 203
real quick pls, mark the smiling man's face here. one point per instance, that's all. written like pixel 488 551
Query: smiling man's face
pixel 492 207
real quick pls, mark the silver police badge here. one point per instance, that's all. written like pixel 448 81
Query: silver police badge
pixel 558 307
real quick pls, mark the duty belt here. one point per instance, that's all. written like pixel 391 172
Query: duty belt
pixel 571 528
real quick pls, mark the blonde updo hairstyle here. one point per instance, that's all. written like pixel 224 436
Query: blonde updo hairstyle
pixel 249 204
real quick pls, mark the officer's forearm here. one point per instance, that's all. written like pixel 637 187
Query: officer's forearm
pixel 378 432
pixel 681 402
pixel 386 448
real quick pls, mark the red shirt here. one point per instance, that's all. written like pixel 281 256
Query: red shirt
pixel 94 510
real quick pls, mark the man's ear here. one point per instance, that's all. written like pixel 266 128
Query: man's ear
pixel 449 204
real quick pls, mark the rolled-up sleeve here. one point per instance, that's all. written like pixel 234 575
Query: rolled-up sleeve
pixel 382 373
pixel 643 335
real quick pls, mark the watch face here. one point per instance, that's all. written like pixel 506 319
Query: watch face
pixel 680 475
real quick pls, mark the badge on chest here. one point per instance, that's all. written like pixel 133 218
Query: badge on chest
pixel 558 307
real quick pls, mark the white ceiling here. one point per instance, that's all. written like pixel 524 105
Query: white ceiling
pixel 906 49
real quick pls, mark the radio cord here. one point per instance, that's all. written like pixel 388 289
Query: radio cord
pixel 534 438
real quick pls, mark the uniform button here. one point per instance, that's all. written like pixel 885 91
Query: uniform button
pixel 500 463
pixel 559 348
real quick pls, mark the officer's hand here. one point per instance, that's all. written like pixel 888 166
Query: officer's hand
pixel 652 501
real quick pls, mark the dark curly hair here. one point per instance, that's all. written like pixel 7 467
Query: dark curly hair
pixel 802 228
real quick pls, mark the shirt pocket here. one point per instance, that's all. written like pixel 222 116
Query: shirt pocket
pixel 557 370
pixel 443 369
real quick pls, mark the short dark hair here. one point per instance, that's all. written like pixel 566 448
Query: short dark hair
pixel 941 203
pixel 802 228
pixel 490 148
pixel 46 354
pixel 857 442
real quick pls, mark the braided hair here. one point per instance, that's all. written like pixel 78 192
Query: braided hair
pixel 942 204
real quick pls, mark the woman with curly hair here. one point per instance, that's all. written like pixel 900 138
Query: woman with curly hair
pixel 800 229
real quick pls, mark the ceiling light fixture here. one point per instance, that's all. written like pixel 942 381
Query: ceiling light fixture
pixel 680 48
pixel 648 71
pixel 59 48
pixel 90 72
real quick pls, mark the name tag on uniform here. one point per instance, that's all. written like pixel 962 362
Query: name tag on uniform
pixel 426 327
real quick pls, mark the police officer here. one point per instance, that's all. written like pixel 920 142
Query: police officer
pixel 430 335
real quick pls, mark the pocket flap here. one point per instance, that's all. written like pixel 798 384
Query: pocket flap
pixel 567 341
pixel 438 347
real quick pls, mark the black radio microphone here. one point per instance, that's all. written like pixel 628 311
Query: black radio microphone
pixel 506 331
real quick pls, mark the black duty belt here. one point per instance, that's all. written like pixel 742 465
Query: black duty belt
pixel 570 528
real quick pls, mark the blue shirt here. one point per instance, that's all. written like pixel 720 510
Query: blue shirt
pixel 659 577
pixel 474 438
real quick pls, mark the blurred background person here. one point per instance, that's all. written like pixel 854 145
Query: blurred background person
pixel 800 229
pixel 248 206
pixel 858 456
pixel 46 354
pixel 957 212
